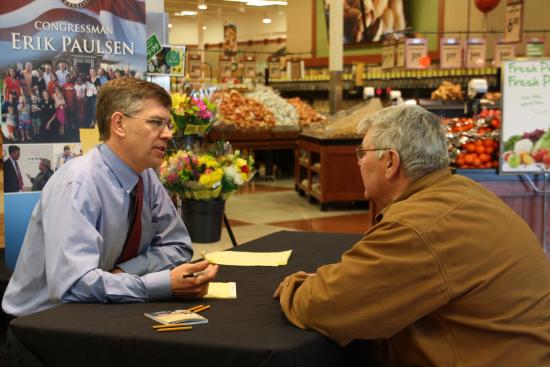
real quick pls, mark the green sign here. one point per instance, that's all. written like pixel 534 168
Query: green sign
pixel 173 58
pixel 153 46
pixel 535 49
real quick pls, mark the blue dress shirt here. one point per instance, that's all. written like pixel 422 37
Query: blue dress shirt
pixel 77 232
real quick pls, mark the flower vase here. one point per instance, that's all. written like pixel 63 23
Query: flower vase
pixel 203 219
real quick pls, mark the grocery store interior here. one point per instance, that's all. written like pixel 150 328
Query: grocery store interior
pixel 289 101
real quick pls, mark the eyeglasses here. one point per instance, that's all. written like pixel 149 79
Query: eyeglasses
pixel 157 123
pixel 360 152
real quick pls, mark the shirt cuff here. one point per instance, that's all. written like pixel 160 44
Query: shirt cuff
pixel 158 285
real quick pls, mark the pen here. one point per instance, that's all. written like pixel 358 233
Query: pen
pixel 203 308
pixel 196 274
pixel 174 328
pixel 168 326
pixel 192 309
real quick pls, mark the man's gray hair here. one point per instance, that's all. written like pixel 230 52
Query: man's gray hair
pixel 416 134
pixel 46 162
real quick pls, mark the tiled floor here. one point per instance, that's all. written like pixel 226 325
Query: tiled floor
pixel 264 207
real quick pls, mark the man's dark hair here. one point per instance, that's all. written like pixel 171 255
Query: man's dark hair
pixel 13 149
pixel 125 94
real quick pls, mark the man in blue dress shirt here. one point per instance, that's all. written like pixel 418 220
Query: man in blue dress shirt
pixel 73 246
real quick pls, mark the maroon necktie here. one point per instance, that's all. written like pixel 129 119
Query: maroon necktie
pixel 131 247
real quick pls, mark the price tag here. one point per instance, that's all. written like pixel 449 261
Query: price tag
pixel 475 53
pixel 514 19
pixel 503 51
pixel 415 50
pixel 388 57
pixel 400 55
pixel 450 54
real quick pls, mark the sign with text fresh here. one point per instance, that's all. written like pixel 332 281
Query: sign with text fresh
pixel 525 135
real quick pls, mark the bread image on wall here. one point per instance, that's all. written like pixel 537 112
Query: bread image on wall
pixel 383 16
pixel 368 20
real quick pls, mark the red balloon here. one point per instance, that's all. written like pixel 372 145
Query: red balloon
pixel 486 5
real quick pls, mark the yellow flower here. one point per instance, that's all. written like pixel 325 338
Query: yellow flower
pixel 179 101
pixel 209 161
pixel 209 180
pixel 240 162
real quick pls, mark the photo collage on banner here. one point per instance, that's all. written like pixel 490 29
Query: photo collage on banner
pixel 56 55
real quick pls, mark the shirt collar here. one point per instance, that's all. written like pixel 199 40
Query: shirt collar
pixel 422 183
pixel 125 175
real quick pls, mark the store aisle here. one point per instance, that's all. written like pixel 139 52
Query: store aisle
pixel 266 207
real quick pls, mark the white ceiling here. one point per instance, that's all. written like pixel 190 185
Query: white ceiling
pixel 220 8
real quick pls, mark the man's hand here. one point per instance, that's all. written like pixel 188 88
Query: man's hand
pixel 300 274
pixel 186 285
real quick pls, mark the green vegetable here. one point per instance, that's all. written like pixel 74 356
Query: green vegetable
pixel 543 142
pixel 509 144
pixel 514 160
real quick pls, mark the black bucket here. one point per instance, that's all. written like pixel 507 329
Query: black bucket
pixel 203 219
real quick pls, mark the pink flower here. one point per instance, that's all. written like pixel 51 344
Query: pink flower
pixel 172 177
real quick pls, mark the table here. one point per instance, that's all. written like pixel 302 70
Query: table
pixel 248 331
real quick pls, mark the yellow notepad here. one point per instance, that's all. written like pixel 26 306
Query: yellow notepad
pixel 222 290
pixel 243 258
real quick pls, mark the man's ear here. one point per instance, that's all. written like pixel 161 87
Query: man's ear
pixel 393 162
pixel 118 127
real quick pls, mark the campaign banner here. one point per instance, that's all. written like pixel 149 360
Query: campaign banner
pixel 55 57
pixel 57 54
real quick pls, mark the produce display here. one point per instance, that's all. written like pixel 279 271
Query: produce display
pixel 285 113
pixel 528 152
pixel 473 143
pixel 448 91
pixel 306 113
pixel 243 112
pixel 345 123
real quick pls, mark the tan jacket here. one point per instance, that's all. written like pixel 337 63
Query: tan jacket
pixel 449 275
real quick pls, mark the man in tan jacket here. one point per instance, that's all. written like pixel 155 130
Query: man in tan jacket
pixel 448 275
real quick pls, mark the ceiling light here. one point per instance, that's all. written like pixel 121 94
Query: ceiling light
pixel 202 6
pixel 184 13
pixel 203 27
pixel 169 25
pixel 266 20
pixel 260 2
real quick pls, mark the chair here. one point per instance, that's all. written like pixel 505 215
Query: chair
pixel 18 208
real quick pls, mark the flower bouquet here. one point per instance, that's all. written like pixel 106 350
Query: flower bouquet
pixel 192 115
pixel 208 176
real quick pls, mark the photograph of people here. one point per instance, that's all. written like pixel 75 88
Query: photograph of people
pixel 13 179
pixel 44 174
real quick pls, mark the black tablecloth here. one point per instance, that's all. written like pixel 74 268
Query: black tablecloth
pixel 248 331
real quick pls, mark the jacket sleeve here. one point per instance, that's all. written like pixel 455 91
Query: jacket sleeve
pixel 383 283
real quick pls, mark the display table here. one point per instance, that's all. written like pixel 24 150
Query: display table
pixel 516 192
pixel 326 170
pixel 267 140
pixel 248 331
pixel 255 139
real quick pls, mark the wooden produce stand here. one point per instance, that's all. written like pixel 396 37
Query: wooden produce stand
pixel 268 140
pixel 326 170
